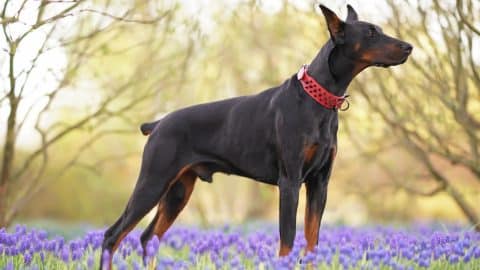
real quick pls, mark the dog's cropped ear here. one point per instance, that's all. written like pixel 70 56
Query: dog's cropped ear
pixel 352 14
pixel 336 26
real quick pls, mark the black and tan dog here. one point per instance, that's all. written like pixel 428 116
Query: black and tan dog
pixel 284 136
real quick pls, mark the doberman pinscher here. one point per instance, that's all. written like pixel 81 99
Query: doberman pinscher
pixel 284 136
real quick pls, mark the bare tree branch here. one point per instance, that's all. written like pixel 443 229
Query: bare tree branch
pixel 124 18
pixel 464 19
pixel 28 193
pixel 41 22
pixel 28 172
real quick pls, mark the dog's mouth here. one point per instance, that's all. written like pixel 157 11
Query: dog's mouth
pixel 382 65
pixel 393 63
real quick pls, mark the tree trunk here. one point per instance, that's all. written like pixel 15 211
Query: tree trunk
pixel 9 147
pixel 467 210
pixel 3 208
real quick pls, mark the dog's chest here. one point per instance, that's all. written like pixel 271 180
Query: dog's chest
pixel 319 144
pixel 316 154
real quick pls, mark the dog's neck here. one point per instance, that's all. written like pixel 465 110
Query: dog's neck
pixel 332 69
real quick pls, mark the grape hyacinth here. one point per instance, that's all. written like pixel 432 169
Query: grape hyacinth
pixel 249 247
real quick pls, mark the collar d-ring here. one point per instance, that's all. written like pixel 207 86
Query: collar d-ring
pixel 343 107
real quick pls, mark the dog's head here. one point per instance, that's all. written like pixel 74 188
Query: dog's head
pixel 363 42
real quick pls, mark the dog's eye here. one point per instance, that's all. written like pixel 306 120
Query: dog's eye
pixel 371 32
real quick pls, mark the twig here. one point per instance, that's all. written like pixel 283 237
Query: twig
pixel 123 17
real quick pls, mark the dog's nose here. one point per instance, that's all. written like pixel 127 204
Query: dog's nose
pixel 406 47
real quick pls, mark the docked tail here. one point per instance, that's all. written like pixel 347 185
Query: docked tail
pixel 147 128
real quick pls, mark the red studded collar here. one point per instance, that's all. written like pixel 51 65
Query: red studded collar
pixel 319 93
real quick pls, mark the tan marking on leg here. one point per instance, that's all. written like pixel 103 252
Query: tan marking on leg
pixel 284 250
pixel 117 243
pixel 312 223
pixel 122 235
pixel 164 222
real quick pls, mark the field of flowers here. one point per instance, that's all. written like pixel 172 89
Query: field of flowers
pixel 251 247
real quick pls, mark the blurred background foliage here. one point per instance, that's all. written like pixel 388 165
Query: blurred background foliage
pixel 408 146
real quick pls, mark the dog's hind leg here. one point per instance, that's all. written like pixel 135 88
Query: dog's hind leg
pixel 170 206
pixel 174 202
pixel 142 201
pixel 147 234
pixel 156 175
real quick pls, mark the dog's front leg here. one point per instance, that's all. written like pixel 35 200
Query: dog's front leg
pixel 316 189
pixel 289 190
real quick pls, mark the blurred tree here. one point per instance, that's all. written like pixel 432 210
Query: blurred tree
pixel 54 48
pixel 240 48
pixel 432 104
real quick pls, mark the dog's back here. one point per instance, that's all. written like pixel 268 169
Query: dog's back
pixel 238 131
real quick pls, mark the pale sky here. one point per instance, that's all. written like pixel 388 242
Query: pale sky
pixel 55 59
pixel 53 62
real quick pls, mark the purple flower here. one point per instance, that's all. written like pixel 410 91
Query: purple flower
pixel 20 229
pixel 424 262
pixel 476 252
pixel 155 242
pixel 453 259
pixel 9 265
pixel 15 251
pixel 135 265
pixel 150 251
pixel 458 249
pixel 65 255
pixel 42 256
pixel 27 258
pixel 235 262
pixel 408 254
pixel 382 246
pixel 106 260
pixel 77 254
pixel 42 235
pixel 344 261
pixel 90 261
pixel 122 266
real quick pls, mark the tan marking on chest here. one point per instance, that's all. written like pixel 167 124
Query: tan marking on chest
pixel 334 152
pixel 356 47
pixel 309 152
